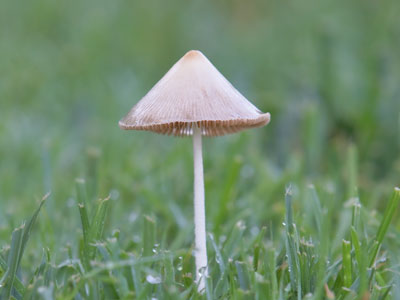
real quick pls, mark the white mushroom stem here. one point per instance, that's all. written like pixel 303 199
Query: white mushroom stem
pixel 199 211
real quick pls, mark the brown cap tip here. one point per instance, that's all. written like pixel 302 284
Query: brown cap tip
pixel 192 54
pixel 194 93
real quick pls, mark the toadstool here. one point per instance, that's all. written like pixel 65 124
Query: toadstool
pixel 194 99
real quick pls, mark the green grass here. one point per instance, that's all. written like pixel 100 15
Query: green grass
pixel 242 265
pixel 304 208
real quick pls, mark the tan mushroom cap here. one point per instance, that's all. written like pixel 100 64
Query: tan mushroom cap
pixel 194 93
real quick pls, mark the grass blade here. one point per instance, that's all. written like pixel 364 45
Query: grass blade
pixel 85 230
pixel 218 256
pixel 19 240
pixel 81 193
pixel 149 235
pixel 18 285
pixel 29 226
pixel 346 263
pixel 316 207
pixel 230 247
pixel 387 218
pixel 243 275
pixel 271 264
pixel 258 247
pixel 97 225
pixel 13 262
pixel 292 246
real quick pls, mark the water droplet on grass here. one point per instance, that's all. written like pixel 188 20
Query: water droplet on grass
pixel 156 248
pixel 180 264
pixel 153 279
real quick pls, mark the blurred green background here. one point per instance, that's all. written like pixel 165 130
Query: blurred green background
pixel 328 71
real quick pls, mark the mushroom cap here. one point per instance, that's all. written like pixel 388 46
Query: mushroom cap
pixel 194 93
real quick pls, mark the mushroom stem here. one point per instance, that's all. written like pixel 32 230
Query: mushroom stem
pixel 199 211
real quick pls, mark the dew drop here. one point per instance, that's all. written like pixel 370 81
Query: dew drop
pixel 180 264
pixel 153 279
pixel 155 248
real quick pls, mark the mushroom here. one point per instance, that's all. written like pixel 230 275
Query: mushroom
pixel 194 98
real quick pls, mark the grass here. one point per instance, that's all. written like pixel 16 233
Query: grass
pixel 304 208
pixel 242 265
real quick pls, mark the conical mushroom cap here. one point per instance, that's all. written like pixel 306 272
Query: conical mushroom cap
pixel 194 93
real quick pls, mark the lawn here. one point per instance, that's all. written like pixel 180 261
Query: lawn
pixel 304 208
